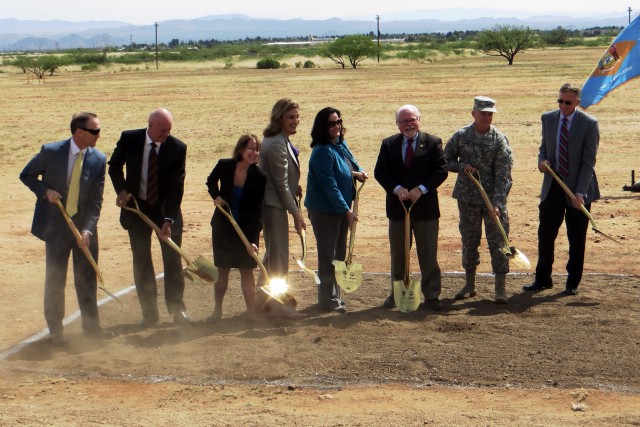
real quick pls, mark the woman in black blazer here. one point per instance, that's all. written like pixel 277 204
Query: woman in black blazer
pixel 240 184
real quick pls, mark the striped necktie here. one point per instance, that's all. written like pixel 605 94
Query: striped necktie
pixel 563 149
pixel 152 176
pixel 74 185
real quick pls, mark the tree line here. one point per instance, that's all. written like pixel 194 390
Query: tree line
pixel 348 51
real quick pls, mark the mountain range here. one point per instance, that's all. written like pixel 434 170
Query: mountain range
pixel 25 35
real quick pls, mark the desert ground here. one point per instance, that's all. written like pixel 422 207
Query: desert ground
pixel 542 359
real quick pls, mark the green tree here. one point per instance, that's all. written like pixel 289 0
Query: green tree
pixel 355 49
pixel 557 36
pixel 506 41
pixel 51 63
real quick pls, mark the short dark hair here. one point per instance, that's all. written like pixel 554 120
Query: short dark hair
pixel 80 120
pixel 242 143
pixel 571 88
pixel 320 130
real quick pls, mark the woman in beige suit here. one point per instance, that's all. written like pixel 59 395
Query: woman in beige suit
pixel 279 161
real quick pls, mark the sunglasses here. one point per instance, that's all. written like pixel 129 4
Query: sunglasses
pixel 333 123
pixel 564 101
pixel 91 131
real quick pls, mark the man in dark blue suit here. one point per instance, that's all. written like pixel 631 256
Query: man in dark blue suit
pixel 410 167
pixel 49 176
pixel 159 194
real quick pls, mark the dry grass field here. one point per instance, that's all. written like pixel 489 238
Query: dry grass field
pixel 473 364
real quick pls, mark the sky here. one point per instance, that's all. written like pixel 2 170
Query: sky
pixel 148 11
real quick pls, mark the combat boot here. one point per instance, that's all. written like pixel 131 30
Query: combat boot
pixel 501 293
pixel 469 289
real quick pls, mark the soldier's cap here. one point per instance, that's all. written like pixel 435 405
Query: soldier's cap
pixel 484 103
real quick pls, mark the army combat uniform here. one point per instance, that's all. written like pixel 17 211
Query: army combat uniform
pixel 490 154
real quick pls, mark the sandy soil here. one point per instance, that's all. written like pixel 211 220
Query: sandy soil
pixel 543 359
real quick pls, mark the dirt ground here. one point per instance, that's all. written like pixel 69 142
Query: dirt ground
pixel 542 359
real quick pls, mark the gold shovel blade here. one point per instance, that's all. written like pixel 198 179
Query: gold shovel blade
pixel 349 277
pixel 407 298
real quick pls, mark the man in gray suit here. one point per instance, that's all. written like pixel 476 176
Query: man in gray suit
pixel 279 161
pixel 49 175
pixel 570 140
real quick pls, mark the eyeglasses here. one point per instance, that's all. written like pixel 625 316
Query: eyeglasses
pixel 564 101
pixel 333 123
pixel 91 131
pixel 409 121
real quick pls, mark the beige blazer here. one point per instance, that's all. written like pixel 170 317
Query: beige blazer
pixel 279 164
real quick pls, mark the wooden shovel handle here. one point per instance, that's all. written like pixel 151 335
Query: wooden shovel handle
pixel 569 193
pixel 352 231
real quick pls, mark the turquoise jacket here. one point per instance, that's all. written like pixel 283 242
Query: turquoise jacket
pixel 329 182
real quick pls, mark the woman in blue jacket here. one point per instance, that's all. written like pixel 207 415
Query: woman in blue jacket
pixel 330 193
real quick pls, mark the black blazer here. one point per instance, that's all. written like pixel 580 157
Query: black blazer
pixel 220 183
pixel 427 168
pixel 171 172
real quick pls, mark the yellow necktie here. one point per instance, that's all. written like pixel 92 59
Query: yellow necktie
pixel 74 185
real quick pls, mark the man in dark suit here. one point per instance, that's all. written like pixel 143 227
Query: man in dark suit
pixel 155 171
pixel 569 143
pixel 410 167
pixel 50 176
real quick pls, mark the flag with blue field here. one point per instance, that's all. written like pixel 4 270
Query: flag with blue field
pixel 619 64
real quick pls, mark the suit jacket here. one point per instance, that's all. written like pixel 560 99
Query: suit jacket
pixel 171 172
pixel 584 138
pixel 428 168
pixel 220 183
pixel 51 165
pixel 279 164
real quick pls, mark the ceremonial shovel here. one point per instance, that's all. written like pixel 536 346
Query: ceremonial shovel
pixel 407 292
pixel 303 261
pixel 509 251
pixel 349 274
pixel 200 271
pixel 86 252
pixel 276 288
pixel 573 197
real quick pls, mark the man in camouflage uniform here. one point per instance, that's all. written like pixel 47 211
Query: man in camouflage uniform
pixel 481 148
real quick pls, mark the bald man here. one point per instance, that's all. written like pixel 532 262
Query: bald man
pixel 155 171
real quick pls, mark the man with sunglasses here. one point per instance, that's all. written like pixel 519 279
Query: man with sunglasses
pixel 570 141
pixel 73 171
pixel 155 170
pixel 410 167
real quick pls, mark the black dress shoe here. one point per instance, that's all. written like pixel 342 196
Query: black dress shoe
pixel 146 323
pixel 181 318
pixel 433 304
pixel 537 287
pixel 333 305
pixel 389 302
pixel 570 291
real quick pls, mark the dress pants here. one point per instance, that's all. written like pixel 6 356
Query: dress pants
pixel 553 210
pixel 143 272
pixel 84 278
pixel 426 236
pixel 275 223
pixel 330 231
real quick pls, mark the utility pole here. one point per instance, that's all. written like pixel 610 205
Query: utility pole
pixel 629 10
pixel 156 24
pixel 378 19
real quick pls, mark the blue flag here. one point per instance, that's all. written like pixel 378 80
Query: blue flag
pixel 619 64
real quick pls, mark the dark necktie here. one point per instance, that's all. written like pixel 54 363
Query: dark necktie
pixel 563 149
pixel 408 154
pixel 152 176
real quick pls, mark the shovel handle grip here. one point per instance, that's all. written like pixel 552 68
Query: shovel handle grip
pixel 569 193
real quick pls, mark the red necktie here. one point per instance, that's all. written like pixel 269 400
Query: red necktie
pixel 563 149
pixel 152 176
pixel 408 154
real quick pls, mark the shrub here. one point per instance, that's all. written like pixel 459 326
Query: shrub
pixel 268 63
pixel 90 67
pixel 309 64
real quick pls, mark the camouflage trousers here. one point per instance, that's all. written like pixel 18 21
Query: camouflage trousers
pixel 470 225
